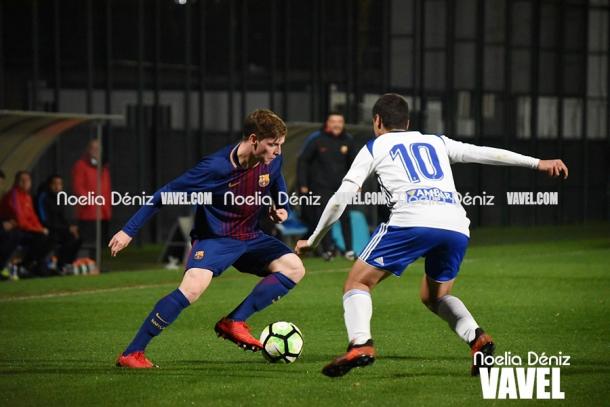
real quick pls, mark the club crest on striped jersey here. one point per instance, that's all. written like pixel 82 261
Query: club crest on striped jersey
pixel 263 180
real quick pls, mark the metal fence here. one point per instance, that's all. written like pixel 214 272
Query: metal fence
pixel 529 75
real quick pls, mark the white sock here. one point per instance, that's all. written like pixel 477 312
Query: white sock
pixel 453 310
pixel 358 309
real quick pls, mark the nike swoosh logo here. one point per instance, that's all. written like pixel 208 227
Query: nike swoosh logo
pixel 161 319
pixel 232 184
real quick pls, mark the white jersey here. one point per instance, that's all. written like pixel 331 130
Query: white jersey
pixel 414 171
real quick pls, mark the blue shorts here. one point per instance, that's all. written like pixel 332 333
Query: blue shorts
pixel 393 248
pixel 248 256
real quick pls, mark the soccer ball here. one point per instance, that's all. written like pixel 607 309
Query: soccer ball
pixel 282 341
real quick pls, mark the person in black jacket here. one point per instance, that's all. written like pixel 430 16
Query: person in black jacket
pixel 324 160
pixel 52 215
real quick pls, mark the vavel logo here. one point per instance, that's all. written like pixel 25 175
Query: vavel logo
pixel 540 378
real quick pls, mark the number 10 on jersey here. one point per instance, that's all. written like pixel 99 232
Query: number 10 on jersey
pixel 420 160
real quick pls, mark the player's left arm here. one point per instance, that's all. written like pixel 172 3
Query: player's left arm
pixel 553 168
pixel 469 153
pixel 359 171
pixel 198 178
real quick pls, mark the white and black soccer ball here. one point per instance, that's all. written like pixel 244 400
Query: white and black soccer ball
pixel 282 341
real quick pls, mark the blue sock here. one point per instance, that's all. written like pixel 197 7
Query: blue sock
pixel 165 312
pixel 267 291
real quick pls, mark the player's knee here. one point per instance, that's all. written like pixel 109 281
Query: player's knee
pixel 353 284
pixel 359 282
pixel 191 293
pixel 291 266
pixel 194 284
pixel 430 302
pixel 295 271
pixel 348 285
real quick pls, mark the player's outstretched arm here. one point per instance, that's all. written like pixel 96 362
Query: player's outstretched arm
pixel 469 153
pixel 118 242
pixel 359 171
pixel 554 168
pixel 302 247
pixel 198 178
pixel 332 212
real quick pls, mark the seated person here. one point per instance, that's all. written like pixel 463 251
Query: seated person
pixel 52 216
pixel 16 205
pixel 9 238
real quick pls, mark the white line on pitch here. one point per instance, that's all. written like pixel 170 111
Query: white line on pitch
pixel 83 292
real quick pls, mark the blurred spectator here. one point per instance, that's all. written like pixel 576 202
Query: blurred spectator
pixel 9 240
pixel 324 160
pixel 52 215
pixel 17 207
pixel 9 237
pixel 84 183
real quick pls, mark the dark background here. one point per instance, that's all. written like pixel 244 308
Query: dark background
pixel 528 75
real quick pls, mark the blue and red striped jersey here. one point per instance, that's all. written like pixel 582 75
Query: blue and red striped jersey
pixel 218 174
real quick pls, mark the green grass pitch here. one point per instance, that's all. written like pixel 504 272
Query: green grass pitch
pixel 534 289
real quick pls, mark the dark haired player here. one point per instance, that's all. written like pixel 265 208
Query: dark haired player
pixel 225 234
pixel 427 220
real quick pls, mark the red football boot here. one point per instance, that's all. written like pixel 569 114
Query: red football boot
pixel 484 344
pixel 237 332
pixel 135 360
pixel 356 356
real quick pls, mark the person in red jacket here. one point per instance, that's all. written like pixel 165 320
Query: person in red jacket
pixel 9 238
pixel 17 206
pixel 84 183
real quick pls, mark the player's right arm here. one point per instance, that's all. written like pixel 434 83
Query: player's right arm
pixel 359 171
pixel 198 178
pixel 469 153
